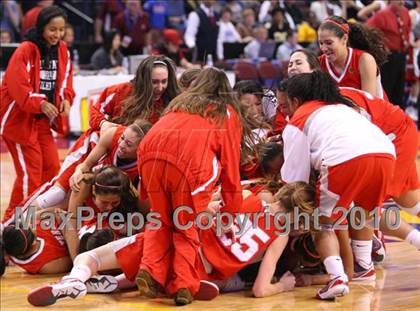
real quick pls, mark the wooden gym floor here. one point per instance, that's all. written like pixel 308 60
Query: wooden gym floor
pixel 397 286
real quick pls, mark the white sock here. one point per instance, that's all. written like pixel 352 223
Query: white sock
pixel 80 272
pixel 415 210
pixel 335 268
pixel 414 238
pixel 362 251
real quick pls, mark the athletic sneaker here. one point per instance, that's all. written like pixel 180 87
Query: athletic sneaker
pixel 335 288
pixel 378 248
pixel 362 274
pixel 183 297
pixel 146 284
pixel 101 284
pixel 208 291
pixel 48 295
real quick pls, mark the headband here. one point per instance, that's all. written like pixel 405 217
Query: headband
pixel 344 27
pixel 139 128
pixel 160 62
pixel 24 237
pixel 105 186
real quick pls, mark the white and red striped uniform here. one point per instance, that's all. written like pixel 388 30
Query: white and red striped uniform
pixel 354 158
pixel 400 129
pixel 52 247
pixel 109 104
pixel 351 74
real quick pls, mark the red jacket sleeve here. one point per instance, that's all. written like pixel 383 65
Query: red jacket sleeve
pixel 96 113
pixel 109 104
pixel 230 161
pixel 18 80
pixel 279 122
pixel 66 89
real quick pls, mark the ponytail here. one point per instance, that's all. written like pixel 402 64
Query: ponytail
pixel 317 85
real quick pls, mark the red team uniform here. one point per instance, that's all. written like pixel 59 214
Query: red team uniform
pixel 185 155
pixel 109 104
pixel 351 74
pixel 26 131
pixel 52 247
pixel 80 151
pixel 354 158
pixel 400 129
pixel 219 257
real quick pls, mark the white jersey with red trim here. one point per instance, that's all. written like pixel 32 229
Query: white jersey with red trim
pixel 326 135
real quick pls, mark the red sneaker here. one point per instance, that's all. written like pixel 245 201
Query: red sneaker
pixel 335 288
pixel 49 294
pixel 207 291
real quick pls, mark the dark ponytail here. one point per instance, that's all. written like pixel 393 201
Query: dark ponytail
pixel 361 37
pixel 17 241
pixel 317 85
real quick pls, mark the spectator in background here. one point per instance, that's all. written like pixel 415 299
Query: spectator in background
pixel 202 31
pixel 74 54
pixel 350 8
pixel 307 29
pixel 236 8
pixel 267 8
pixel 370 9
pixel 176 14
pixel 252 49
pixel 5 36
pixel 105 19
pixel 323 9
pixel 294 10
pixel 29 20
pixel 69 38
pixel 171 48
pixel 289 46
pixel 133 25
pixel 279 26
pixel 84 30
pixel 246 27
pixel 11 17
pixel 158 12
pixel 394 21
pixel 108 56
pixel 227 32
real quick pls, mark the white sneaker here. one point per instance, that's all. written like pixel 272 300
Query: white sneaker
pixel 48 295
pixel 335 288
pixel 101 284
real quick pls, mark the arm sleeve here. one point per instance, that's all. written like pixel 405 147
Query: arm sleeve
pixel 18 86
pixel 101 109
pixel 297 159
pixel 67 91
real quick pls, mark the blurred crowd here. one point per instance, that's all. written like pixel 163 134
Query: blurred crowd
pixel 100 34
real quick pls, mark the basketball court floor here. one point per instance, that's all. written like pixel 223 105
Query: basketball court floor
pixel 397 286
